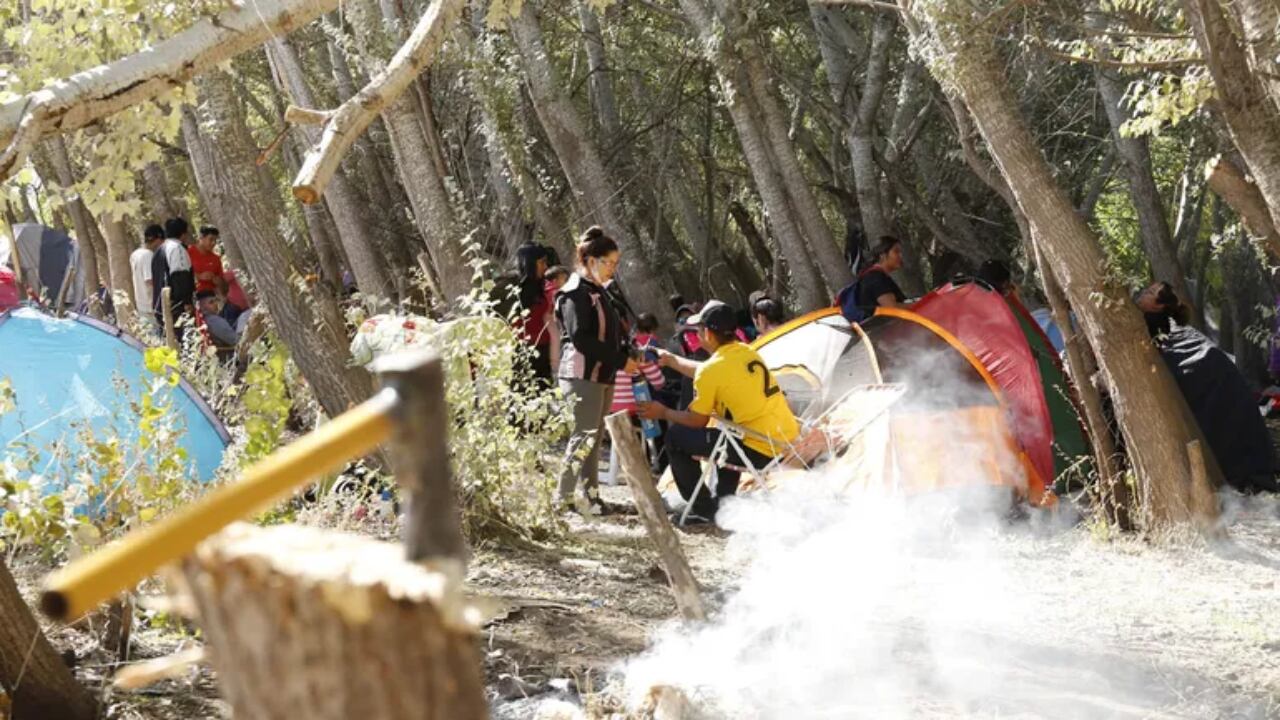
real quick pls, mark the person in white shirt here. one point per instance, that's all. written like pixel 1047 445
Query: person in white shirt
pixel 140 265
pixel 171 268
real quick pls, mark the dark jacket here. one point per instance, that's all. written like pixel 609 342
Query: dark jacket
pixel 594 344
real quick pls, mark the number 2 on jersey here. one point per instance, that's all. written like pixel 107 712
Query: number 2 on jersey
pixel 770 387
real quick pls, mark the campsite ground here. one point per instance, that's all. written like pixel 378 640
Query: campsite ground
pixel 1126 629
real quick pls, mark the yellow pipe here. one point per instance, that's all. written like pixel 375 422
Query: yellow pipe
pixel 82 585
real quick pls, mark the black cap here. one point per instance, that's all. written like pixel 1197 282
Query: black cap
pixel 716 316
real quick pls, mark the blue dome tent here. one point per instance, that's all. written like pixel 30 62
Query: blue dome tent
pixel 66 376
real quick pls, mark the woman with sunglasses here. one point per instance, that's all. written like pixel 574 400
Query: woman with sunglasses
pixel 594 348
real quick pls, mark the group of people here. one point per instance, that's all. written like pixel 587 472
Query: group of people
pixel 586 337
pixel 200 287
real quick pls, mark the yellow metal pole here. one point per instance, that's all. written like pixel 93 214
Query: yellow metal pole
pixel 82 585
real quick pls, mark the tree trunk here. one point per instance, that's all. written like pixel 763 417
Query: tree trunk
pixel 359 245
pixel 88 96
pixel 838 44
pixel 1251 117
pixel 118 251
pixel 46 689
pixel 808 285
pixel 1153 223
pixel 56 152
pixel 432 207
pixel 163 203
pixel 594 191
pixel 1259 22
pixel 310 326
pixel 1148 405
pixel 1230 183
pixel 303 623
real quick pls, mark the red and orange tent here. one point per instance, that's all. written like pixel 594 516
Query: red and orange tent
pixel 973 390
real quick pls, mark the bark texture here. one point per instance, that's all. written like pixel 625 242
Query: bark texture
pixel 308 323
pixel 1252 116
pixel 1153 222
pixel 1148 404
pixel 303 623
pixel 756 113
pixel 415 163
pixel 45 688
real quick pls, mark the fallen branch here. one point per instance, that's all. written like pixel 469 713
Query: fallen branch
pixel 635 468
pixel 350 119
pixel 74 102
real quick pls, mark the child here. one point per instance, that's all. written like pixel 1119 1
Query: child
pixel 624 399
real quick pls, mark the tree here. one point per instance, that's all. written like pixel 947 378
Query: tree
pixel 1251 112
pixel 594 190
pixel 308 322
pixel 39 684
pixel 962 53
pixel 816 265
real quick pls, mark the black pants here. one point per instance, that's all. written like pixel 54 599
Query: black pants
pixel 682 444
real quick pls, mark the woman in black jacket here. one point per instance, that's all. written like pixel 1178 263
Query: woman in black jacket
pixel 595 348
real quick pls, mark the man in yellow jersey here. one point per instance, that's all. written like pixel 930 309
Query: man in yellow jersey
pixel 734 384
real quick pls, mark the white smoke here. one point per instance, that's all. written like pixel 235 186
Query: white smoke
pixel 878 603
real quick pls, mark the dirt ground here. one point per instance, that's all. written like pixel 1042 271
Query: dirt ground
pixel 1188 630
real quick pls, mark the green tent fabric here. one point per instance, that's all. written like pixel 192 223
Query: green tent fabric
pixel 1069 443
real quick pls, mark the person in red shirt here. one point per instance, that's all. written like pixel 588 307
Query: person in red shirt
pixel 206 265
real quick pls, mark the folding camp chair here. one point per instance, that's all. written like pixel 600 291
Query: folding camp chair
pixel 822 436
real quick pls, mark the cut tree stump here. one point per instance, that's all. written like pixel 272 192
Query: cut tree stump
pixel 635 468
pixel 304 623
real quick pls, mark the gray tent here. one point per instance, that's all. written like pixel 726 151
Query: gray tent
pixel 45 254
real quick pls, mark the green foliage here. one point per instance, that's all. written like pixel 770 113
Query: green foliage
pixel 504 424
pixel 266 401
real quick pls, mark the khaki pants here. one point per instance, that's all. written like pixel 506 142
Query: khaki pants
pixel 591 402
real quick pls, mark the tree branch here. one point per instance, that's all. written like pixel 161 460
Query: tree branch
pixel 353 116
pixel 1170 64
pixel 77 101
pixel 1231 184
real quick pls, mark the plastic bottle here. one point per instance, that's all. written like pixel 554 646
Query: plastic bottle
pixel 640 387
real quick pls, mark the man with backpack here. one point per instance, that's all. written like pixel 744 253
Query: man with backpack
pixel 874 287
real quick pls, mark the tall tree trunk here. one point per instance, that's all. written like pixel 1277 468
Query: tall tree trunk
pixel 45 688
pixel 1153 223
pixel 839 46
pixel 116 236
pixel 1259 22
pixel 56 154
pixel 358 243
pixel 432 207
pixel 723 53
pixel 1148 404
pixel 162 203
pixel 308 323
pixel 828 256
pixel 1251 116
pixel 595 192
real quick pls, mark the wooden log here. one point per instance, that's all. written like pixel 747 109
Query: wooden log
pixel 166 310
pixel 304 623
pixel 635 468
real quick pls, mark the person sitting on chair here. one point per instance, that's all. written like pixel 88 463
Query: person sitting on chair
pixel 733 384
